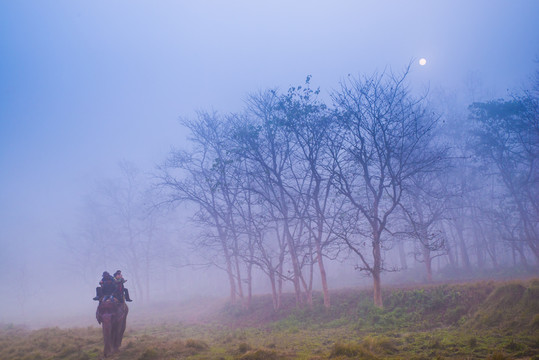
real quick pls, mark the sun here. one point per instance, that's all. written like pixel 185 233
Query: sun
pixel 422 61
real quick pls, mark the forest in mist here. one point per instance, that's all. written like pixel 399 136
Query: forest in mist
pixel 301 192
pixel 231 149
pixel 305 190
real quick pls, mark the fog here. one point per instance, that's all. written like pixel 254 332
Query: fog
pixel 86 86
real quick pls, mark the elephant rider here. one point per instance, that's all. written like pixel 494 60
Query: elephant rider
pixel 119 281
pixel 108 285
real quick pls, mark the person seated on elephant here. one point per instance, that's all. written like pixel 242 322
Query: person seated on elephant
pixel 107 286
pixel 119 279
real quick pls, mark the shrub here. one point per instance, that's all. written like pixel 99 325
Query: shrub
pixel 351 350
pixel 535 321
pixel 381 344
pixel 497 356
pixel 243 348
pixel 260 354
pixel 196 344
pixel 149 354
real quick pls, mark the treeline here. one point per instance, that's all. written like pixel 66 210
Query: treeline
pixel 298 181
pixel 294 181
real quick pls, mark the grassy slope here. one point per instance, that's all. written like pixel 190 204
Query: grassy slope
pixel 496 320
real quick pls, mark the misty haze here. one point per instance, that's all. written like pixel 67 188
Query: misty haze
pixel 274 180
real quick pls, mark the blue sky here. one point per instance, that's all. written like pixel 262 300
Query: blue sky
pixel 85 84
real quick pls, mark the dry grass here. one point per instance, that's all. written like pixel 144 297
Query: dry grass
pixel 468 321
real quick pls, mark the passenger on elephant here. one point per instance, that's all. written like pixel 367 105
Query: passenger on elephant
pixel 119 279
pixel 106 288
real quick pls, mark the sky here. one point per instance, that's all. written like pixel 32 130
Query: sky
pixel 86 84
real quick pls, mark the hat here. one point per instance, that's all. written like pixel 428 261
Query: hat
pixel 117 272
pixel 106 273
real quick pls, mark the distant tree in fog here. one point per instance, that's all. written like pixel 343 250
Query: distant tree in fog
pixel 121 230
pixel 385 138
pixel 425 206
pixel 461 181
pixel 506 138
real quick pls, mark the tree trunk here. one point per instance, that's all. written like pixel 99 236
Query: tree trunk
pixel 377 289
pixel 402 255
pixel 309 287
pixel 493 256
pixel 428 262
pixel 249 285
pixel 228 260
pixel 274 292
pixel 480 248
pixel 462 245
pixel 376 273
pixel 238 276
pixel 323 276
pixel 523 259
pixel 449 245
pixel 147 278
pixel 291 247
pixel 280 284
pixel 295 265
pixel 231 281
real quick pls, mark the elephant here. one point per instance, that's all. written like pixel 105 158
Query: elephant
pixel 112 314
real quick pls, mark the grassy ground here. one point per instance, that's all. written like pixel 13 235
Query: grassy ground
pixel 482 320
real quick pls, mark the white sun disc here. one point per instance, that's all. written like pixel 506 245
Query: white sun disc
pixel 422 61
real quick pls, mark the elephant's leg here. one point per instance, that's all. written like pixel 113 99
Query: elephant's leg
pixel 121 331
pixel 118 331
pixel 107 335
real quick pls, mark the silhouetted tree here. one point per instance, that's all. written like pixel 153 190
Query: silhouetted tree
pixel 385 138
pixel 204 177
pixel 424 207
pixel 309 120
pixel 267 147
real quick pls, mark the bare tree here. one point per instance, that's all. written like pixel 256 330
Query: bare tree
pixel 309 121
pixel 268 147
pixel 424 207
pixel 204 177
pixel 385 138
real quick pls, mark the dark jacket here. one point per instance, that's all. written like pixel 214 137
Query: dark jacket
pixel 108 284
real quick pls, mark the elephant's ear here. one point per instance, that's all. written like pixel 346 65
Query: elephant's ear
pixel 98 316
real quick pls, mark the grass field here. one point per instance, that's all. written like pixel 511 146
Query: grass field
pixel 481 320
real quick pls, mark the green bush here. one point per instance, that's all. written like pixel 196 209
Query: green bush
pixel 149 354
pixel 196 344
pixel 261 354
pixel 350 350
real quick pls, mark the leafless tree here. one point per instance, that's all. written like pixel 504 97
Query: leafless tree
pixel 267 147
pixel 424 207
pixel 385 138
pixel 204 177
pixel 309 120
